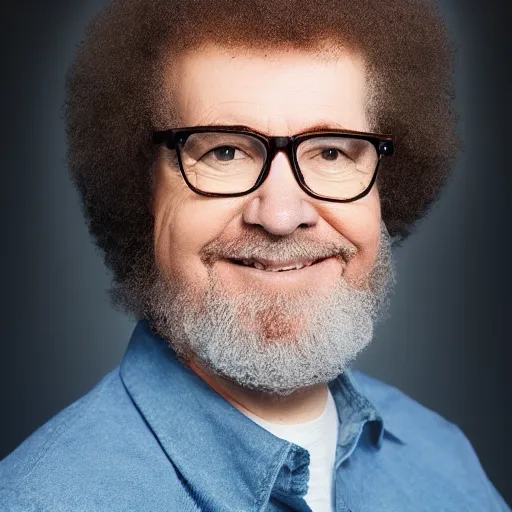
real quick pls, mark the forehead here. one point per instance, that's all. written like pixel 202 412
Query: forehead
pixel 276 91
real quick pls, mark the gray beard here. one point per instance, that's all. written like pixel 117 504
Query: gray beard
pixel 273 343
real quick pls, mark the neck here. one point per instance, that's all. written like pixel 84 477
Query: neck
pixel 301 406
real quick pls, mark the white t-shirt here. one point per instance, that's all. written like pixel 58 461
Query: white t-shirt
pixel 319 438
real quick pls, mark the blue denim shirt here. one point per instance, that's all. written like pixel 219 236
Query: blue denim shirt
pixel 153 436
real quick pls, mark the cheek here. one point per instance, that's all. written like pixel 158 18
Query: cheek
pixel 360 223
pixel 185 225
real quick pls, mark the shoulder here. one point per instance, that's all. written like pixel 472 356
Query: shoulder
pixel 403 415
pixel 96 454
pixel 432 443
pixel 70 430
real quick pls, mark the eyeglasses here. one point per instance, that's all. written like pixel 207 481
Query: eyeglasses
pixel 230 161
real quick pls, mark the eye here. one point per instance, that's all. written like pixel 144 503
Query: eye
pixel 225 153
pixel 330 153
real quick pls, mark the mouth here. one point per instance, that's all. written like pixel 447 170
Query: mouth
pixel 321 274
pixel 260 267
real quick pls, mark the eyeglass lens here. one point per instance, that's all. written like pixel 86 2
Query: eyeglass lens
pixel 338 167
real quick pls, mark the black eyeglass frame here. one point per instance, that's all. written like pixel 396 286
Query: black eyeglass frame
pixel 177 137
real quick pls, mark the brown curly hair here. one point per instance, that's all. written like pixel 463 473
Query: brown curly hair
pixel 114 102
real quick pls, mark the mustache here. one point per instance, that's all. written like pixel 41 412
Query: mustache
pixel 273 247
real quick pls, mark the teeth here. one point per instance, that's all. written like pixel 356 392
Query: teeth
pixel 259 266
pixel 298 267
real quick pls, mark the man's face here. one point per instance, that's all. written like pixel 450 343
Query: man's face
pixel 269 331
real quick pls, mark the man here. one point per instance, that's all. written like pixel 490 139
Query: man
pixel 246 170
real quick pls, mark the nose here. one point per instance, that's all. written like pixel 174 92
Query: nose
pixel 279 205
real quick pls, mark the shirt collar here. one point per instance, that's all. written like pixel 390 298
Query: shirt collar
pixel 207 439
pixel 359 400
pixel 373 396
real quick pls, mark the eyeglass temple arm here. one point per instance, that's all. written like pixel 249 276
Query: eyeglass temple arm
pixel 164 137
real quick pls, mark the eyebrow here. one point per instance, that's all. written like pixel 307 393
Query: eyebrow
pixel 325 127
pixel 319 127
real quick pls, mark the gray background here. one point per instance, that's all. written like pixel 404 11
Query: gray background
pixel 447 342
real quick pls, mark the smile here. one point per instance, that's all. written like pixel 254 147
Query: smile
pixel 319 273
pixel 273 268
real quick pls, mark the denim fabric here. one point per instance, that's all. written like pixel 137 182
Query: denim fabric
pixel 153 436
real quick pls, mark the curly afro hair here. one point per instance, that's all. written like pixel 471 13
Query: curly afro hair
pixel 114 102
